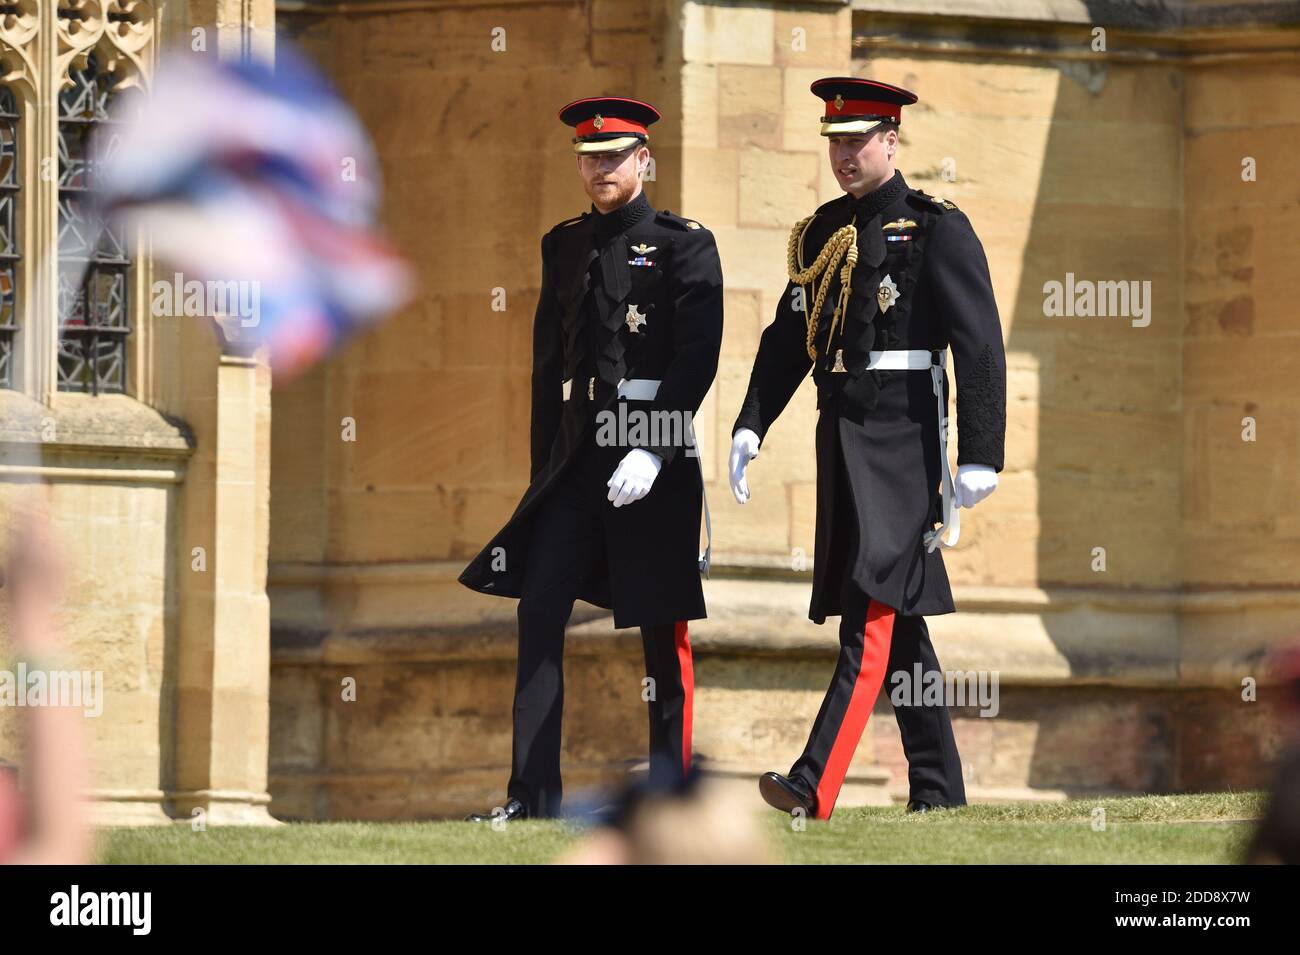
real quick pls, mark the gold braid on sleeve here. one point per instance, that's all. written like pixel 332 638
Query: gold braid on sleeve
pixel 843 244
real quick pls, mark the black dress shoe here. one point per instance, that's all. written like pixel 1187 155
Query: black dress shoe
pixel 916 805
pixel 781 792
pixel 512 810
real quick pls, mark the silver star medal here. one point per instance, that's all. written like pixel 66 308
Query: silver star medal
pixel 887 294
pixel 634 319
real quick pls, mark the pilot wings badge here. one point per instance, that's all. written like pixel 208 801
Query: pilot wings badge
pixel 642 251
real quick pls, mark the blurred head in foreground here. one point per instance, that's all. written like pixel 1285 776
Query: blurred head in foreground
pixel 42 808
pixel 694 823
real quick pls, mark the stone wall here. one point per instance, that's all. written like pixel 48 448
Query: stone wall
pixel 1114 165
pixel 368 535
pixel 157 497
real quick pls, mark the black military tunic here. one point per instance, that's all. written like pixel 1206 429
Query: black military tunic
pixel 632 296
pixel 883 424
pixel 662 271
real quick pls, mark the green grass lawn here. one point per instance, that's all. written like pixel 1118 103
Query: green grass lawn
pixel 1209 828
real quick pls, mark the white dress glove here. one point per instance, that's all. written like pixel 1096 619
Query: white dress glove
pixel 974 483
pixel 633 476
pixel 744 448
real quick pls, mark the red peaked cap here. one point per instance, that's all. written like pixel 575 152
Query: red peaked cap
pixel 852 105
pixel 608 123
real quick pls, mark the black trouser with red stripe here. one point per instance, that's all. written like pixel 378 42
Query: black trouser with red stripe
pixel 670 693
pixel 876 641
pixel 567 547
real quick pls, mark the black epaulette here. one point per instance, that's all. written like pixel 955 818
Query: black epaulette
pixel 568 222
pixel 935 203
pixel 677 222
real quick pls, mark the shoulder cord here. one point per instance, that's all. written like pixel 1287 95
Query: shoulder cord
pixel 843 244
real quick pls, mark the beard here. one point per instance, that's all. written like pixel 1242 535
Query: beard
pixel 612 196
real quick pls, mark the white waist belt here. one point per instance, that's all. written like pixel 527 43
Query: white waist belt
pixel 901 359
pixel 638 389
pixel 645 389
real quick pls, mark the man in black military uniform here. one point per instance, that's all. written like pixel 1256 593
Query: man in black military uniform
pixel 883 280
pixel 625 346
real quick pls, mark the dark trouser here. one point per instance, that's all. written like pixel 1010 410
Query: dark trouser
pixel 874 641
pixel 933 764
pixel 568 546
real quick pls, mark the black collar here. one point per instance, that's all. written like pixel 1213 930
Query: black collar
pixel 879 198
pixel 617 221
